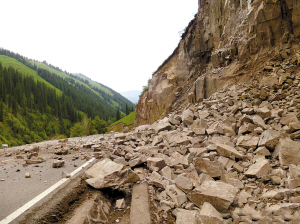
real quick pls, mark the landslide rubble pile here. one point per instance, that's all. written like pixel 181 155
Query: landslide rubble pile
pixel 232 158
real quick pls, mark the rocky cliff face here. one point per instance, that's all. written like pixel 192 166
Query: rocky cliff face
pixel 228 41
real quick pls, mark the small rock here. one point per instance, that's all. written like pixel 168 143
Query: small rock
pixel 65 175
pixel 58 163
pixel 120 204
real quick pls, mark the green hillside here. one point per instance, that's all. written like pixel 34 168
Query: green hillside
pixel 39 101
pixel 11 62
pixel 94 84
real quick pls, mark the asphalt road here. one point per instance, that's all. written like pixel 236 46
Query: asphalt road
pixel 16 190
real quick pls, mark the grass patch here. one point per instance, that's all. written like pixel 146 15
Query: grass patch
pixel 20 67
pixel 128 120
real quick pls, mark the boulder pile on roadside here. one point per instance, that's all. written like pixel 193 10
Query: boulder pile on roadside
pixel 234 157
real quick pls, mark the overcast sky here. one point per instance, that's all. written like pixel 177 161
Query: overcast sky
pixel 118 43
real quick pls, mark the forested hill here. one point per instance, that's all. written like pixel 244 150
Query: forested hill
pixel 39 101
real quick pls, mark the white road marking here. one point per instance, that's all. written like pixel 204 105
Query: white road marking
pixel 29 204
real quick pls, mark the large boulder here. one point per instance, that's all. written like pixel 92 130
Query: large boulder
pixel 218 194
pixel 269 138
pixel 107 173
pixel 228 151
pixel 188 217
pixel 261 168
pixel 209 214
pixel 199 126
pixel 187 117
pixel 288 152
pixel 212 168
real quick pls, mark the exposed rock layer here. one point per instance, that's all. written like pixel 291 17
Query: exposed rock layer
pixel 227 42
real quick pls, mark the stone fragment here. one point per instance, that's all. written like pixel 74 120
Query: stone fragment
pixel 197 152
pixel 218 194
pixel 174 121
pixel 259 121
pixel 238 168
pixel 187 117
pixel 263 151
pixel 294 171
pixel 155 164
pixel 261 168
pixel 107 173
pixel 65 174
pixel 209 214
pixel 176 159
pixel 135 162
pixel 203 114
pixel 220 128
pixel 158 127
pixel 166 172
pixel 258 130
pixel 228 151
pixel 247 141
pixel 264 112
pixel 243 198
pixel 120 136
pixel 199 126
pixel 293 183
pixel 169 204
pixel 4 146
pixel 281 208
pixel 212 168
pixel 246 128
pixel 294 126
pixel 278 194
pixel 27 175
pixel 269 138
pixel 58 163
pixel 176 194
pixel 120 204
pixel 188 217
pixel 61 151
pixel 288 152
pixel 289 118
pixel 33 148
pixel 252 213
pixel 35 160
pixel 183 183
pixel 276 180
pixel 194 177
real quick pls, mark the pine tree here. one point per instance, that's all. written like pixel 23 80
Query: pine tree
pixel 127 109
pixel 118 115
pixel 1 111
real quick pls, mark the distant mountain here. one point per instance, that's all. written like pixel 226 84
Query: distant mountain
pixel 132 95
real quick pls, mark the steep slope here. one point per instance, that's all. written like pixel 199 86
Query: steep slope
pixel 227 42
